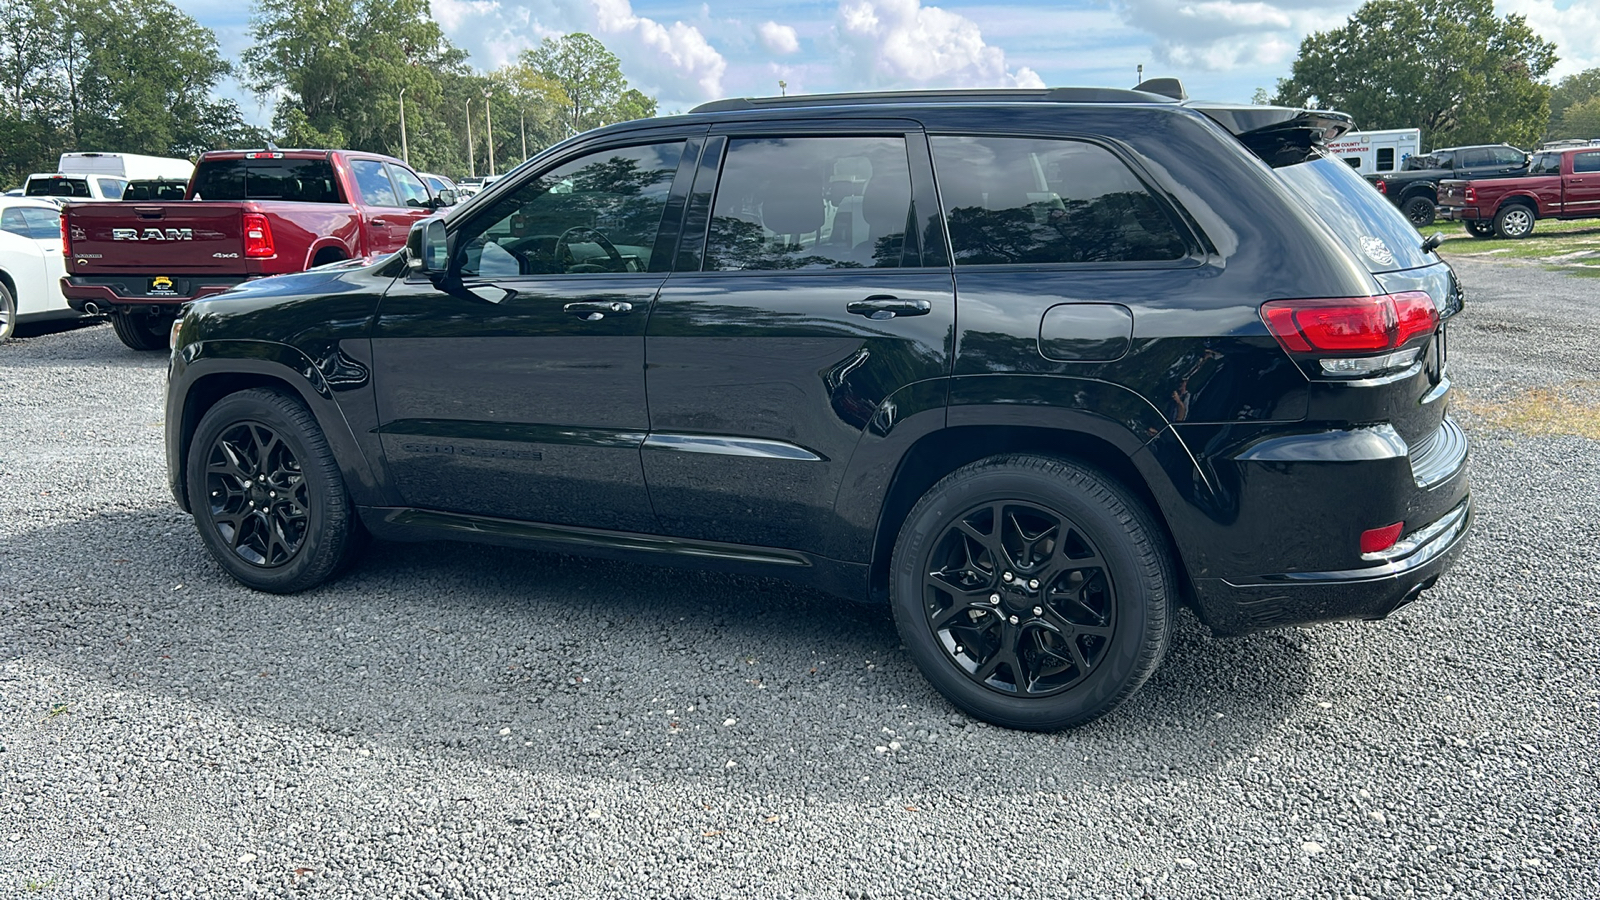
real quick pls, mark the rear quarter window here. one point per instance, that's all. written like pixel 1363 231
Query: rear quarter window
pixel 1364 221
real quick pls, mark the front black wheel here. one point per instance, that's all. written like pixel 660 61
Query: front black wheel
pixel 267 494
pixel 1032 592
pixel 8 313
pixel 141 331
pixel 1419 210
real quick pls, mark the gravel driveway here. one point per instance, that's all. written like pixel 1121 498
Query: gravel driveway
pixel 460 721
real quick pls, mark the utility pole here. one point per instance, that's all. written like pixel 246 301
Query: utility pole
pixel 488 118
pixel 472 170
pixel 524 118
pixel 783 87
pixel 405 148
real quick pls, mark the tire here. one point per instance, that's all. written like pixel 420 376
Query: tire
pixel 141 331
pixel 8 313
pixel 1420 210
pixel 1480 229
pixel 1111 582
pixel 1515 221
pixel 267 495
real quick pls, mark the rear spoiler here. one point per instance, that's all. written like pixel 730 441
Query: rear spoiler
pixel 1279 135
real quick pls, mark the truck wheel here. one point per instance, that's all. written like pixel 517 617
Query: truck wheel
pixel 1514 222
pixel 141 331
pixel 267 495
pixel 1479 228
pixel 1032 592
pixel 8 313
pixel 1419 210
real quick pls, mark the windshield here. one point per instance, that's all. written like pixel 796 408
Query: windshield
pixel 58 187
pixel 1376 232
pixel 303 180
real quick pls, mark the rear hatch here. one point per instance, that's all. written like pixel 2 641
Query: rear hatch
pixel 1379 238
pixel 187 238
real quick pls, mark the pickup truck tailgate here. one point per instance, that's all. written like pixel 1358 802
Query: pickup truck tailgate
pixel 1453 193
pixel 168 239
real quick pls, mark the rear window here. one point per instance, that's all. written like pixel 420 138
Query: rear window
pixel 302 180
pixel 58 187
pixel 1375 230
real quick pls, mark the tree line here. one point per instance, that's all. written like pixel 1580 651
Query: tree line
pixel 140 76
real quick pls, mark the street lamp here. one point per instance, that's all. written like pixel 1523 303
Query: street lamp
pixel 405 148
pixel 488 119
pixel 472 169
pixel 523 116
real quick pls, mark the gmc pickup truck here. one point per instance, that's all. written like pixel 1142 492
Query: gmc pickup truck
pixel 1415 189
pixel 1563 184
pixel 247 214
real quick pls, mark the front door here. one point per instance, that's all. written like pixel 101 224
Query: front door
pixel 786 330
pixel 1582 187
pixel 520 393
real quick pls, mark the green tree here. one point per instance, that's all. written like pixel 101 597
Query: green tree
pixel 591 78
pixel 1450 67
pixel 338 67
pixel 1573 92
pixel 1581 120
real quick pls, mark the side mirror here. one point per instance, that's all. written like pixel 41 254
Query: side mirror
pixel 446 197
pixel 427 249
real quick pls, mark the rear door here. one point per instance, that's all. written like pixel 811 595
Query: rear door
pixel 387 217
pixel 802 310
pixel 1581 189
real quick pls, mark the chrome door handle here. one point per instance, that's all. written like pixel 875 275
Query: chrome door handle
pixel 379 222
pixel 595 310
pixel 884 306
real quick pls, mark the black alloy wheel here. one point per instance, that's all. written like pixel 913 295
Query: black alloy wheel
pixel 1479 228
pixel 1420 210
pixel 1032 592
pixel 256 495
pixel 267 495
pixel 8 313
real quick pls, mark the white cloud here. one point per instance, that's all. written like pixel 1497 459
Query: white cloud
pixel 779 39
pixel 1575 30
pixel 901 43
pixel 1223 35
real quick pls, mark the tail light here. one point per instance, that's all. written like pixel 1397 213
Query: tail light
pixel 258 237
pixel 1470 195
pixel 1383 186
pixel 1354 336
pixel 66 240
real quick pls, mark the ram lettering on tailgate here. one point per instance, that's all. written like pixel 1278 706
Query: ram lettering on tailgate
pixel 152 234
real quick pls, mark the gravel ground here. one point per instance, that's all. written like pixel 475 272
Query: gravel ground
pixel 460 721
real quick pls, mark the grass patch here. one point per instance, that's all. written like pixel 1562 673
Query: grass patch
pixel 1571 409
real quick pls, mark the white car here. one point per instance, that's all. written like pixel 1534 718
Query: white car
pixel 30 264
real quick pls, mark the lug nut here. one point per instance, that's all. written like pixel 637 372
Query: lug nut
pixel 1034 584
pixel 1013 620
pixel 994 599
pixel 1038 610
pixel 1008 578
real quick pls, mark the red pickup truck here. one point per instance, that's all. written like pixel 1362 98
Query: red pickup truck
pixel 1560 184
pixel 247 214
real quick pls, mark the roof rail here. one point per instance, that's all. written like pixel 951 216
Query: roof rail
pixel 974 95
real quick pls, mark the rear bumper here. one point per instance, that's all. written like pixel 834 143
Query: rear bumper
pixel 1298 598
pixel 107 291
pixel 1459 213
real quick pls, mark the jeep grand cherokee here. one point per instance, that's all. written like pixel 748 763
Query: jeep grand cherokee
pixel 1031 367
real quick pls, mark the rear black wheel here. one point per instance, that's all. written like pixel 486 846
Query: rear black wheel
pixel 8 313
pixel 1419 210
pixel 267 494
pixel 1033 592
pixel 141 331
pixel 1480 229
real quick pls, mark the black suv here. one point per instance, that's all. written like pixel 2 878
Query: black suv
pixel 1415 189
pixel 1032 367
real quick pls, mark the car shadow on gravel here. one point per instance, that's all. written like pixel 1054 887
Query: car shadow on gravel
pixel 590 668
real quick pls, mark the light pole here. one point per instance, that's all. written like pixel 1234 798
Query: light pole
pixel 405 148
pixel 488 119
pixel 524 118
pixel 472 169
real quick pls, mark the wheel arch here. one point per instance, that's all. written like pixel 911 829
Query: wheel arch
pixel 210 376
pixel 939 453
pixel 326 251
pixel 1527 200
pixel 1421 189
pixel 11 285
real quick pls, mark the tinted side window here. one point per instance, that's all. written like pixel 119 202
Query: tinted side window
pixel 1506 156
pixel 598 213
pixel 810 203
pixel 1471 158
pixel 1586 162
pixel 1031 200
pixel 11 221
pixel 373 184
pixel 1546 164
pixel 43 224
pixel 412 193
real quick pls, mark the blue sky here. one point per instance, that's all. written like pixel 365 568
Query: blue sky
pixel 687 52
